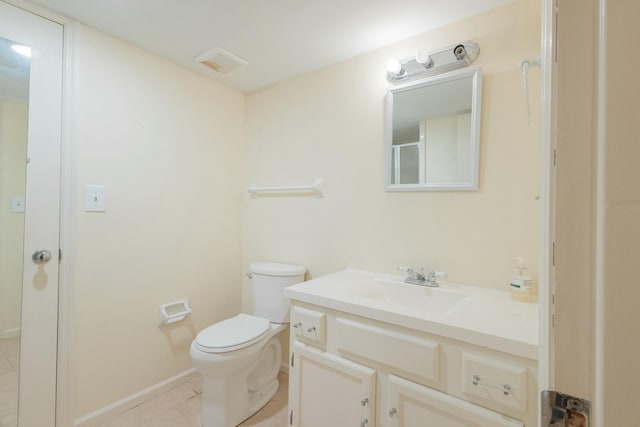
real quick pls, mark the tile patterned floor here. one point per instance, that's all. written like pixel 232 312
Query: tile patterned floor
pixel 9 363
pixel 180 407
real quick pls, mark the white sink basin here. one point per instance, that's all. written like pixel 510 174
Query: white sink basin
pixel 403 295
pixel 486 317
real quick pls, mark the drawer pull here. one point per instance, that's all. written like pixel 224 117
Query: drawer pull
pixel 393 412
pixel 311 329
pixel 364 423
pixel 297 325
pixel 505 388
pixel 364 401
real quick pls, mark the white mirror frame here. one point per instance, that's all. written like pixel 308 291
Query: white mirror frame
pixel 476 74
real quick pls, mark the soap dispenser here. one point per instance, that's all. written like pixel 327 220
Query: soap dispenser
pixel 521 283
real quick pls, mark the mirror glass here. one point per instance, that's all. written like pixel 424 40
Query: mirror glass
pixel 14 109
pixel 432 135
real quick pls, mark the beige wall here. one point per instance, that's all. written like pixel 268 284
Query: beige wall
pixel 330 124
pixel 168 145
pixel 13 151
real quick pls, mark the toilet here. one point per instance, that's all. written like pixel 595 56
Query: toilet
pixel 239 358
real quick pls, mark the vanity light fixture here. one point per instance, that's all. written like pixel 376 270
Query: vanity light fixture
pixel 430 63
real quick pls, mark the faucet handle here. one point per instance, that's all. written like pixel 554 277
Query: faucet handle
pixel 434 275
pixel 411 274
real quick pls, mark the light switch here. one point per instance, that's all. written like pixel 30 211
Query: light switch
pixel 95 198
pixel 17 204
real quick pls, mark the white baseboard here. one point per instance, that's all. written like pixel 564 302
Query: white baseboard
pixel 10 333
pixel 103 415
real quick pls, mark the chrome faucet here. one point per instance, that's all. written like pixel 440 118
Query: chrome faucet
pixel 415 278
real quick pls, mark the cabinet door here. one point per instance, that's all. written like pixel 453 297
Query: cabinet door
pixel 413 405
pixel 327 390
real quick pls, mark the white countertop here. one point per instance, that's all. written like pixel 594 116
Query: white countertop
pixel 485 317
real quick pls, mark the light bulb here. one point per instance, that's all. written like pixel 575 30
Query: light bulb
pixel 393 66
pixel 22 50
pixel 424 58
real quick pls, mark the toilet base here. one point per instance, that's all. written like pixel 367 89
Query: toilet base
pixel 258 399
pixel 229 400
pixel 227 410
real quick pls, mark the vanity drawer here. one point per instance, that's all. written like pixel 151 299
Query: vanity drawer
pixel 493 383
pixel 400 352
pixel 309 324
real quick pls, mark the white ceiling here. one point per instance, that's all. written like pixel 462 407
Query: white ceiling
pixel 279 38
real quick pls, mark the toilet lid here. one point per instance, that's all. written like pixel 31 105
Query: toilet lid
pixel 232 334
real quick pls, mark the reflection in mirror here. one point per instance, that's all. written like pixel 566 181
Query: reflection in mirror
pixel 14 107
pixel 432 133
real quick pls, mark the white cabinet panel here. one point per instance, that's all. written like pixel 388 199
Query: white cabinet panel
pixel 413 405
pixel 326 390
pixel 399 351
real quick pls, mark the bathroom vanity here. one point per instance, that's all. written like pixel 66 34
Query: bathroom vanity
pixel 369 350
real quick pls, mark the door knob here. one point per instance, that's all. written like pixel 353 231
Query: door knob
pixel 41 256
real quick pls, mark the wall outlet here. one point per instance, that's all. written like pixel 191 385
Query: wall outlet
pixel 95 198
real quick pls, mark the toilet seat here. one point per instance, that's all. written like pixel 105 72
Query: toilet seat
pixel 232 334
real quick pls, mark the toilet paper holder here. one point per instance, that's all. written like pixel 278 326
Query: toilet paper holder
pixel 174 311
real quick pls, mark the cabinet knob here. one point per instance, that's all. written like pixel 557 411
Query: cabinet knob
pixel 506 389
pixel 311 329
pixel 393 412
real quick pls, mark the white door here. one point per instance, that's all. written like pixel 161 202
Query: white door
pixel 414 405
pixel 38 327
pixel 327 390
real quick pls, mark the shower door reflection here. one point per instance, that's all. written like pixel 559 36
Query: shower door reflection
pixel 14 110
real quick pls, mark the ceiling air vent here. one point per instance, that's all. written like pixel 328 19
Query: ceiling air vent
pixel 220 60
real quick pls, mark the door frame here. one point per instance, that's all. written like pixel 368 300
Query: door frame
pixel 64 414
pixel 546 277
pixel 592 29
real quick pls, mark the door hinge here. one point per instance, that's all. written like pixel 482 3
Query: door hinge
pixel 292 354
pixel 59 255
pixel 555 155
pixel 558 409
pixel 553 254
pixel 291 418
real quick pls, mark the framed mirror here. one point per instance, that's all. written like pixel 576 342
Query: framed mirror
pixel 432 133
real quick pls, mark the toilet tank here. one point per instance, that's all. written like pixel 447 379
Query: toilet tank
pixel 268 280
